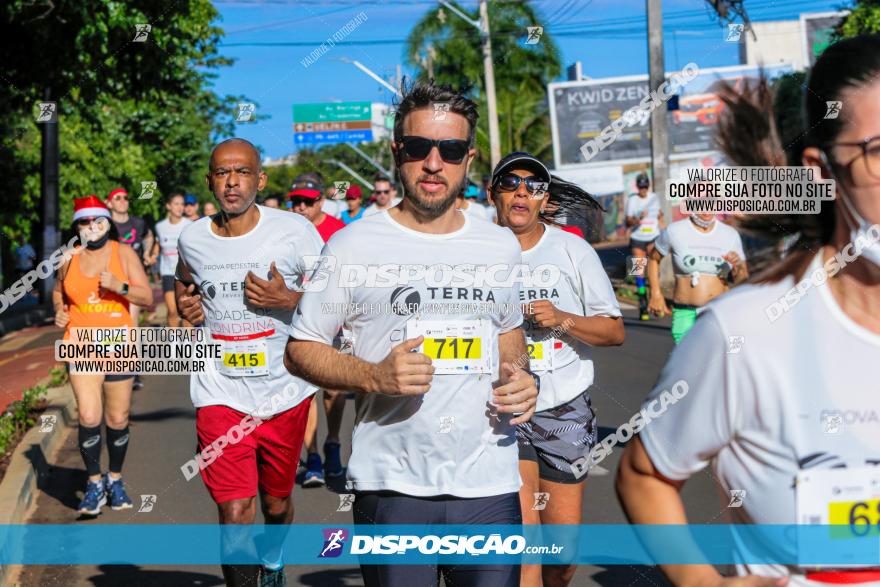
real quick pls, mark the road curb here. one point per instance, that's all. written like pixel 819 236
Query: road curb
pixel 29 461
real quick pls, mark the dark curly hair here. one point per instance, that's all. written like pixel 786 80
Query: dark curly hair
pixel 423 95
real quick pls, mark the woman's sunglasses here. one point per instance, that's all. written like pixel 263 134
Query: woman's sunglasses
pixel 510 182
pixel 88 221
pixel 418 148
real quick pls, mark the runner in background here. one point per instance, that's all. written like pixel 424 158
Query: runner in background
pixel 238 273
pixel 334 202
pixel 272 202
pixel 467 203
pixel 787 419
pixel 191 207
pixel 353 197
pixel 96 289
pixel 382 191
pixel 563 320
pixel 133 231
pixel 306 201
pixel 209 209
pixel 705 251
pixel 433 443
pixel 165 247
pixel 644 218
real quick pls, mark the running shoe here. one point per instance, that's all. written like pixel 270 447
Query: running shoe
pixel 119 499
pixel 332 460
pixel 94 498
pixel 270 578
pixel 314 476
pixel 644 316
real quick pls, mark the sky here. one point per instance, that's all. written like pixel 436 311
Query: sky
pixel 607 36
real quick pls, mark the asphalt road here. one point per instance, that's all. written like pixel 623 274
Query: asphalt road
pixel 163 438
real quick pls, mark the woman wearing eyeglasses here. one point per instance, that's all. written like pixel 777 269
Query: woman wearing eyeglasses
pixel 96 288
pixel 569 306
pixel 789 420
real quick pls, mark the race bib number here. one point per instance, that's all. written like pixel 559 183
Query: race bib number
pixel 540 354
pixel 454 346
pixel 849 498
pixel 648 226
pixel 245 358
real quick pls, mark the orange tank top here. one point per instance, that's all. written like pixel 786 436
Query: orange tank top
pixel 90 305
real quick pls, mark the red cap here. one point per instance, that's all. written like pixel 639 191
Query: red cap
pixel 305 193
pixel 354 192
pixel 117 191
pixel 89 207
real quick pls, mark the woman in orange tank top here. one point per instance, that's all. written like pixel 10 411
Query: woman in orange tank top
pixel 95 289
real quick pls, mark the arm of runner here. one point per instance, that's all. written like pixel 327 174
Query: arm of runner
pixel 139 292
pixel 593 330
pixel 270 293
pixel 599 321
pixel 152 254
pixel 62 315
pixel 656 303
pixel 149 242
pixel 189 303
pixel 402 372
pixel 518 393
pixel 737 258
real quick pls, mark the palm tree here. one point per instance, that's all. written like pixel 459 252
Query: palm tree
pixel 450 47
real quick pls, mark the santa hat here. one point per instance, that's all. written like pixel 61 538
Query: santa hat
pixel 89 207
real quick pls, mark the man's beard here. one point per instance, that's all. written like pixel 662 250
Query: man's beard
pixel 432 209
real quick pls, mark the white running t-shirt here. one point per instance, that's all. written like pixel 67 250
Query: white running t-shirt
pixel 167 234
pixel 252 378
pixel 444 442
pixel 768 400
pixel 694 251
pixel 564 363
pixel 648 227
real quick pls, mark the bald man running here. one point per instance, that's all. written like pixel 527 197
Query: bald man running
pixel 238 275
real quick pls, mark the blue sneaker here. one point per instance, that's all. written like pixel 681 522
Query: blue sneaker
pixel 94 498
pixel 119 499
pixel 314 476
pixel 332 459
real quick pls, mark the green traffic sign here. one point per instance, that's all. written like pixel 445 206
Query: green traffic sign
pixel 332 112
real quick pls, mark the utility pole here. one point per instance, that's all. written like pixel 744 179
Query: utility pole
pixel 488 73
pixel 49 199
pixel 489 67
pixel 659 129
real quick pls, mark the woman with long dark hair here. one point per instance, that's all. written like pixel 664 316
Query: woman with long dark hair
pixel 569 305
pixel 95 289
pixel 788 418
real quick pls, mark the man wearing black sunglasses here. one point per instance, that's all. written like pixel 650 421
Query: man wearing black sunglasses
pixel 385 194
pixel 436 348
